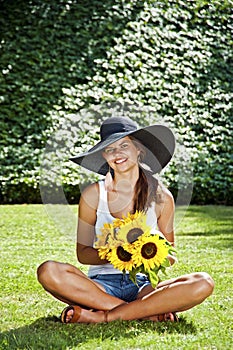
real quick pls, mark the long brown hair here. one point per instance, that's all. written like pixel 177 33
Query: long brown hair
pixel 147 188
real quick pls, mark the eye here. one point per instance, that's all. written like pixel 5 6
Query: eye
pixel 109 150
pixel 125 145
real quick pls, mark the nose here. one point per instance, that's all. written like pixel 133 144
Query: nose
pixel 118 150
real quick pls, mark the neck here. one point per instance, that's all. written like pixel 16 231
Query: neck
pixel 125 182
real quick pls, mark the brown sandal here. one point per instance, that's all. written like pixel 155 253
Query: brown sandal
pixel 172 317
pixel 76 315
pixel 106 316
pixel 163 317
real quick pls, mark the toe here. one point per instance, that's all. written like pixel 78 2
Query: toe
pixel 69 315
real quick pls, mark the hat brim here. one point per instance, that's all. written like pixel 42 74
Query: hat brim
pixel 158 141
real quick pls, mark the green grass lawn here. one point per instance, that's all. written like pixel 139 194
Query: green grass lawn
pixel 29 315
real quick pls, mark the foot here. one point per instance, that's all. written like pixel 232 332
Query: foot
pixel 170 316
pixel 75 314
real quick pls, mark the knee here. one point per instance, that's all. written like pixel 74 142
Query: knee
pixel 46 271
pixel 204 285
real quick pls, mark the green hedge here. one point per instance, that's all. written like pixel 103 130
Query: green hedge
pixel 170 58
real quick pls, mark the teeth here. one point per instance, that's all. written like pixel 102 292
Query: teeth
pixel 120 161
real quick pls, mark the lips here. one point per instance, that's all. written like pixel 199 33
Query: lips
pixel 120 161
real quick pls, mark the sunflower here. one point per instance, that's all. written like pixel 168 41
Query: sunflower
pixel 129 244
pixel 115 240
pixel 126 219
pixel 150 251
pixel 103 252
pixel 102 239
pixel 121 258
pixel 131 227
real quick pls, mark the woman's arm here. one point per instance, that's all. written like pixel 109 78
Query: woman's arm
pixel 166 219
pixel 86 254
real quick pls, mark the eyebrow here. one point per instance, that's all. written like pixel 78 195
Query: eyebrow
pixel 111 146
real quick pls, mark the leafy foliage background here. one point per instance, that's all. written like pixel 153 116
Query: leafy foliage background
pixel 66 64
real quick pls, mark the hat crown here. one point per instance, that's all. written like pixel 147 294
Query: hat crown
pixel 116 125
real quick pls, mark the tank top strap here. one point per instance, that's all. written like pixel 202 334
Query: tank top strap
pixel 151 216
pixel 103 198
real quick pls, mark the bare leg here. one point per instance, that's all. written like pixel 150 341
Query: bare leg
pixel 68 284
pixel 171 296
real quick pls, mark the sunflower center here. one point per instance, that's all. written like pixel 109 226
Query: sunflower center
pixel 148 250
pixel 133 234
pixel 123 255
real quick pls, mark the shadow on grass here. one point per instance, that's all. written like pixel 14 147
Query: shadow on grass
pixel 49 333
pixel 216 238
pixel 216 222
pixel 213 212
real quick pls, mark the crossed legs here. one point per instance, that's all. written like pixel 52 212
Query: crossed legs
pixel 70 285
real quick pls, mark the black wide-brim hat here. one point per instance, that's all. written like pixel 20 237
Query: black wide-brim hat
pixel 158 140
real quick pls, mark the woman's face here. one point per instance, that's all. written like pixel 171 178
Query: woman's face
pixel 122 155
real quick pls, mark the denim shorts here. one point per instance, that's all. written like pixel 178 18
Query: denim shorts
pixel 120 285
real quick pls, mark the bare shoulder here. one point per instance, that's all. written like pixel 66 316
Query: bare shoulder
pixel 167 196
pixel 166 211
pixel 167 202
pixel 90 196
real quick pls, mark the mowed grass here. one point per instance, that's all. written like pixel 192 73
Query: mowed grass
pixel 29 316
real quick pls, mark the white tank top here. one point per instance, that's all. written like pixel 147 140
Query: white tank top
pixel 104 216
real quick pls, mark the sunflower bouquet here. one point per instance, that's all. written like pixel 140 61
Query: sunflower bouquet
pixel 133 246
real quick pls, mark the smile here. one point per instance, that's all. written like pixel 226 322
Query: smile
pixel 120 161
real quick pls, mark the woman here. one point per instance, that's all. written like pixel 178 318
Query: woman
pixel 128 156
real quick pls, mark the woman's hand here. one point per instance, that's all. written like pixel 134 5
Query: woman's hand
pixel 88 255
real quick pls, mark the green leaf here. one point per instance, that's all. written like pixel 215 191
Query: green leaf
pixel 153 277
